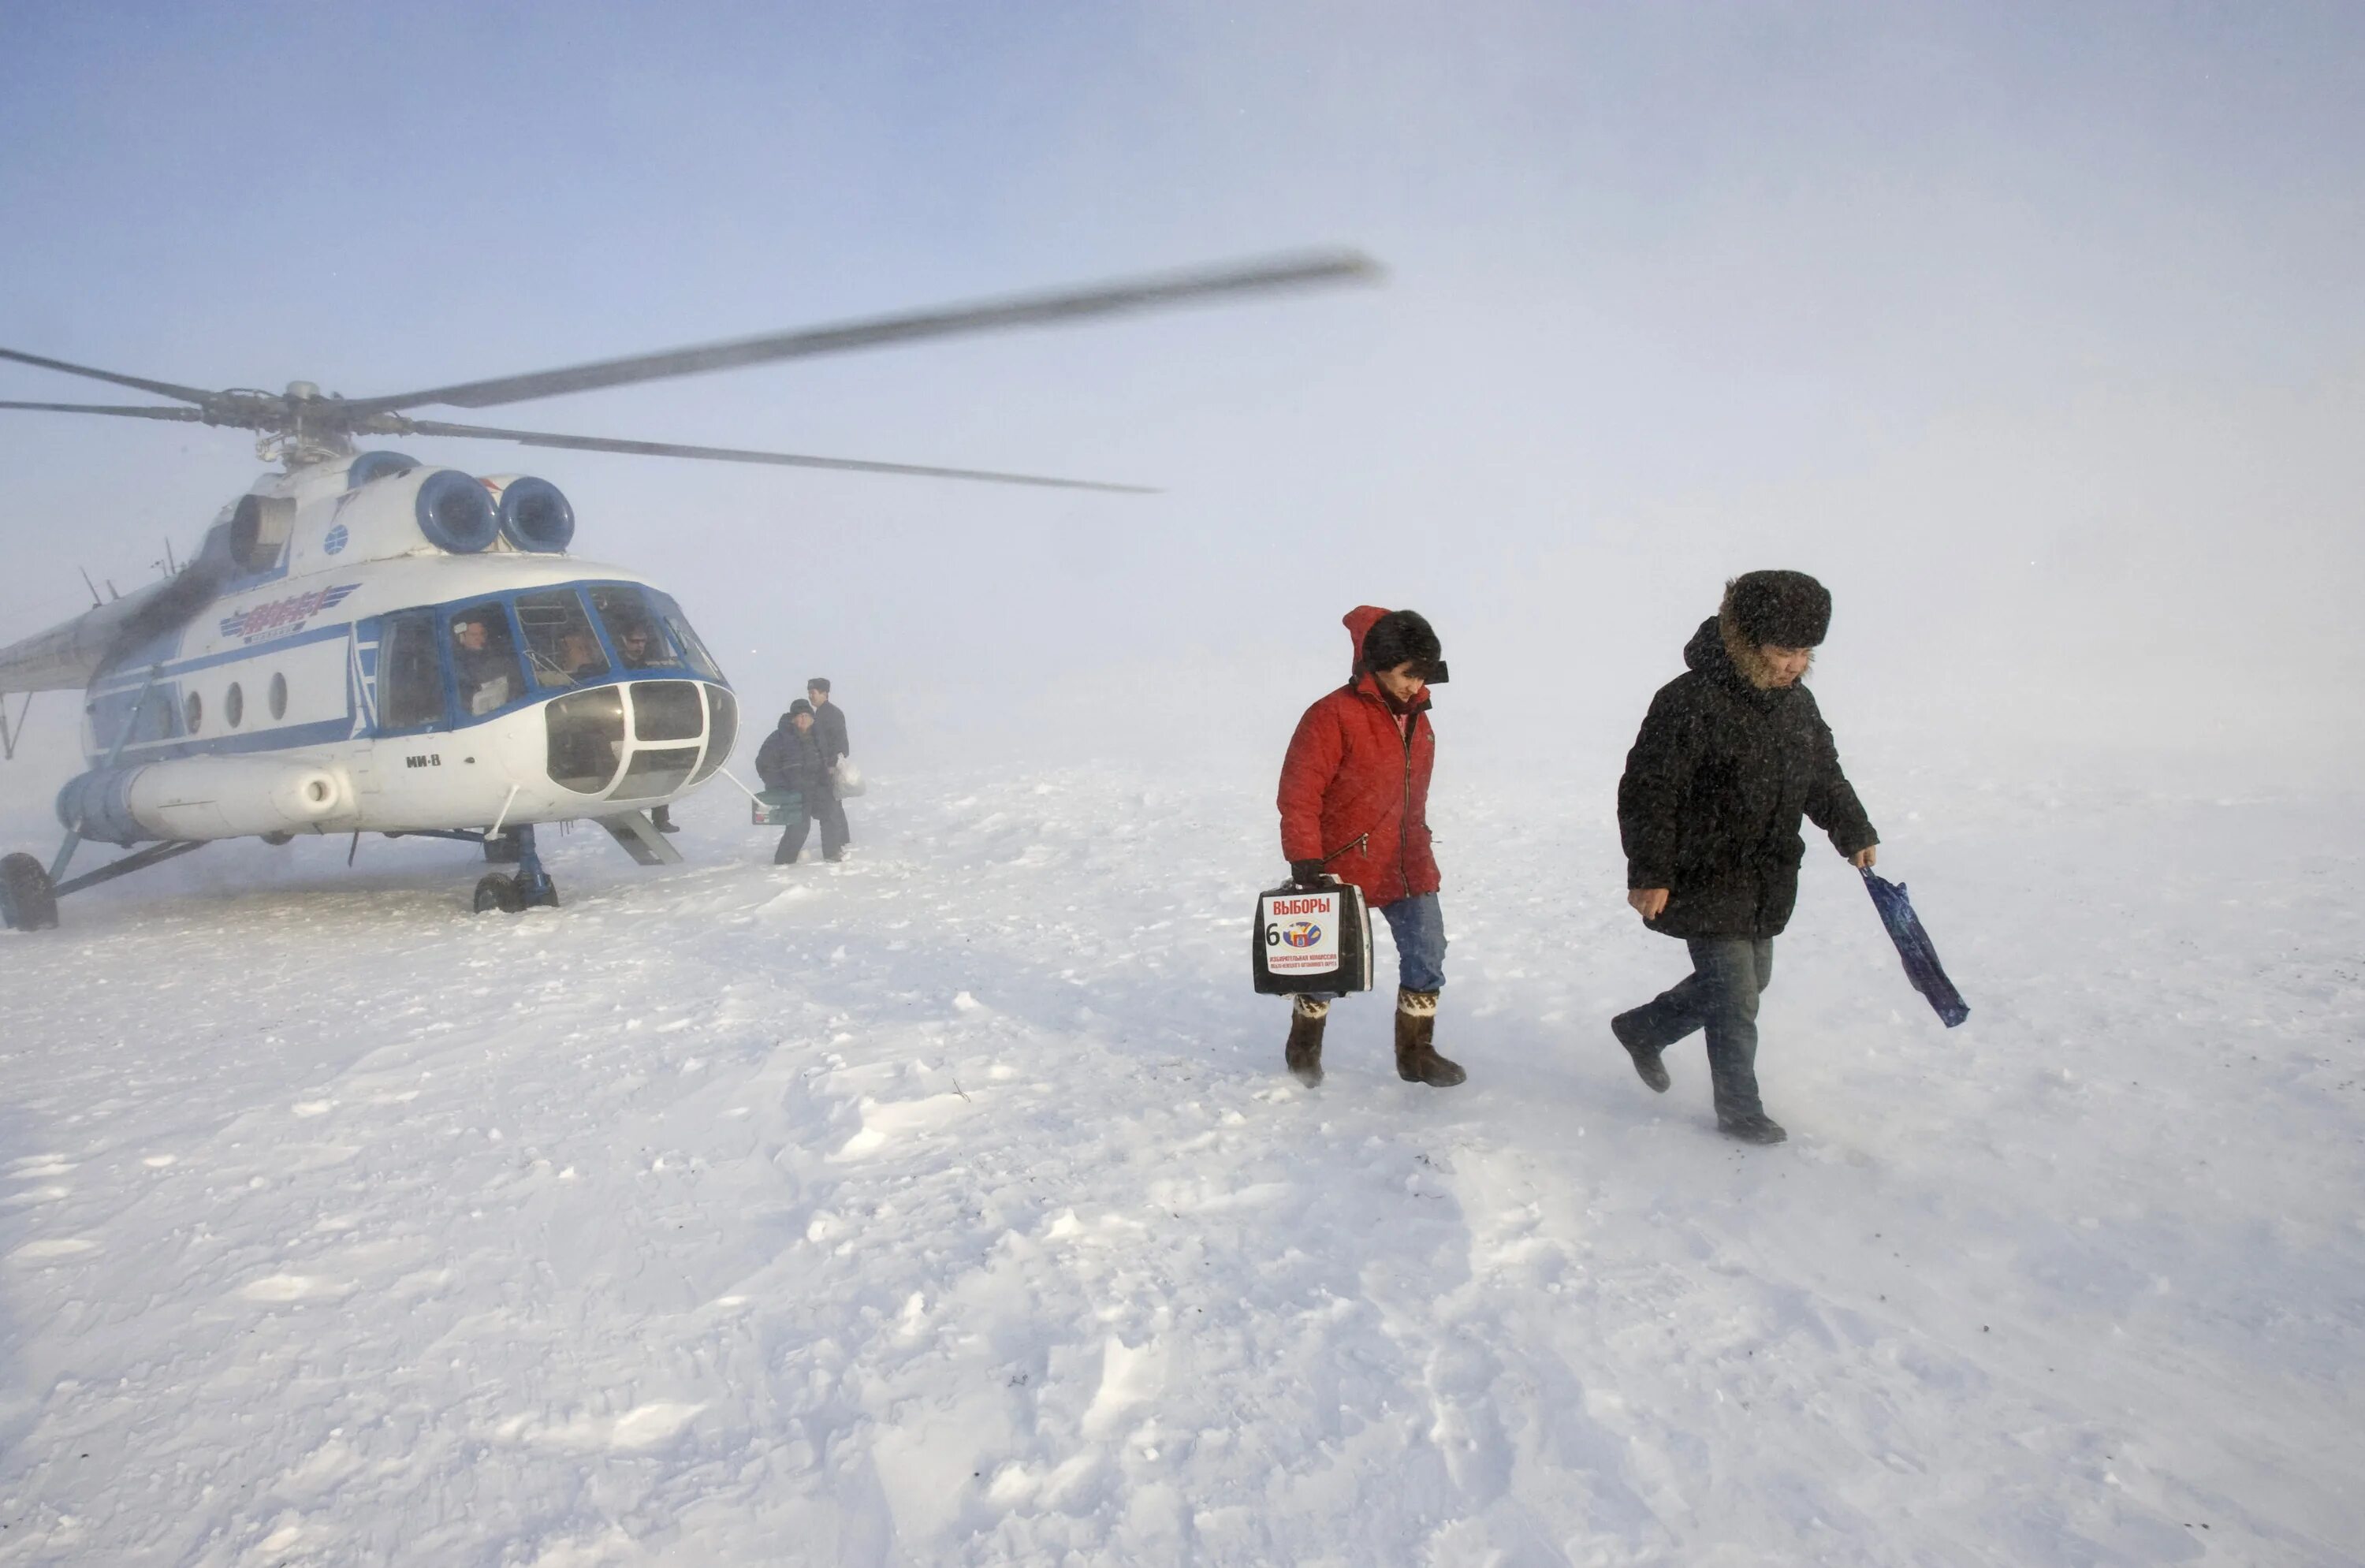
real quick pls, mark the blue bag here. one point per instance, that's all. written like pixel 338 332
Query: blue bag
pixel 1921 966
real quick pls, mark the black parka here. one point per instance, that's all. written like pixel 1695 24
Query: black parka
pixel 790 758
pixel 1709 804
pixel 829 728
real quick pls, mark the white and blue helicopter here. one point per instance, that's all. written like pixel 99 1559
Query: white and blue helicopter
pixel 367 643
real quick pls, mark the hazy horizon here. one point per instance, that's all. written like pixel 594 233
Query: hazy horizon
pixel 2036 335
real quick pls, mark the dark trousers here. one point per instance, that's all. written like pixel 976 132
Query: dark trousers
pixel 1728 974
pixel 822 806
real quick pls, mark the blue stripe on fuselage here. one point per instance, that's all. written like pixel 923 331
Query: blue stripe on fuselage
pixel 126 678
pixel 286 737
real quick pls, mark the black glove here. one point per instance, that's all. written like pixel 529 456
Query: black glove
pixel 1306 873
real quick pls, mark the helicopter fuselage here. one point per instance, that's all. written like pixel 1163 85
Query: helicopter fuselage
pixel 377 658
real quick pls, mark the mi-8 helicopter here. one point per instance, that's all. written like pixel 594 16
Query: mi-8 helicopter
pixel 367 643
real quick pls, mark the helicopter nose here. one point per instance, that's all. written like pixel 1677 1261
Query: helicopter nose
pixel 641 740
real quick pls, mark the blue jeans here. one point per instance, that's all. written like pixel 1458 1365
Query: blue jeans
pixel 1418 926
pixel 1728 974
pixel 1419 929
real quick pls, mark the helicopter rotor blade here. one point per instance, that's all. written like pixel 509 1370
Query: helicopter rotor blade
pixel 186 415
pixel 162 388
pixel 736 454
pixel 1266 276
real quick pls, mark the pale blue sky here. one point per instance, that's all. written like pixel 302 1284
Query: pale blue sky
pixel 2037 330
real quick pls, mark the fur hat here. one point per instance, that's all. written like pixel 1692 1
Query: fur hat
pixel 1781 610
pixel 818 683
pixel 799 706
pixel 1403 636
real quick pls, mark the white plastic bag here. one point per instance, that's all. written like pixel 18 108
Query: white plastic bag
pixel 845 779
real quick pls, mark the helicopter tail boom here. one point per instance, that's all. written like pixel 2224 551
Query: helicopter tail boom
pixel 69 655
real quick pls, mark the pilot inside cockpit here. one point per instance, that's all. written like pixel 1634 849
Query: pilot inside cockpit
pixel 484 659
pixel 579 657
pixel 640 645
pixel 640 641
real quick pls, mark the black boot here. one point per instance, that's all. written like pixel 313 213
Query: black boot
pixel 1416 1057
pixel 1303 1053
pixel 1648 1065
pixel 1750 1126
pixel 662 820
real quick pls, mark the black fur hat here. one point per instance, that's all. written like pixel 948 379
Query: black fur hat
pixel 1781 610
pixel 1405 636
pixel 818 683
pixel 799 706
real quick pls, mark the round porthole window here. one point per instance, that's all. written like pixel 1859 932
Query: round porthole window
pixel 233 705
pixel 279 697
pixel 192 709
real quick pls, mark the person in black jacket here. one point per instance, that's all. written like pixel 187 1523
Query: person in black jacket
pixel 829 728
pixel 790 758
pixel 1729 756
pixel 829 721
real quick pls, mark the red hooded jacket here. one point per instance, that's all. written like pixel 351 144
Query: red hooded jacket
pixel 1354 774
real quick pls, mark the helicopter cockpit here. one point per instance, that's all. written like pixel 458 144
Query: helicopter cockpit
pixel 634 707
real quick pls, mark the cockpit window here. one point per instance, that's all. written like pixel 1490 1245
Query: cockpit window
pixel 410 676
pixel 686 640
pixel 485 659
pixel 586 738
pixel 639 638
pixel 559 642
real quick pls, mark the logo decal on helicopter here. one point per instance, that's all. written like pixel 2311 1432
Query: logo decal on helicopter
pixel 333 543
pixel 282 616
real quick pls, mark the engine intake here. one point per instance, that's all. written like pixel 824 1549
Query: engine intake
pixel 455 514
pixel 535 516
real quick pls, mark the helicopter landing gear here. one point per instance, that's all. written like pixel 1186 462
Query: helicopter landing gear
pixel 495 891
pixel 28 902
pixel 501 848
pixel 530 888
pixel 509 894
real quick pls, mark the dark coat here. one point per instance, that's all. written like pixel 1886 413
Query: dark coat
pixel 1355 771
pixel 1714 789
pixel 790 758
pixel 829 728
pixel 488 677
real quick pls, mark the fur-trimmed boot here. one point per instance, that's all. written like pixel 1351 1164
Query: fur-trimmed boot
pixel 1303 1053
pixel 1416 1057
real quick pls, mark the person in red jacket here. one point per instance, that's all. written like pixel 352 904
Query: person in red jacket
pixel 1355 804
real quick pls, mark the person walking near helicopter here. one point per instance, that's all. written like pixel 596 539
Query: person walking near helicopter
pixel 829 728
pixel 1732 753
pixel 790 758
pixel 1355 804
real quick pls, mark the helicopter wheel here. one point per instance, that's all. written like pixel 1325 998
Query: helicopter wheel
pixel 546 899
pixel 499 892
pixel 28 902
pixel 276 839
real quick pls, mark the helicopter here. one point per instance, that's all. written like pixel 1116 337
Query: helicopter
pixel 367 643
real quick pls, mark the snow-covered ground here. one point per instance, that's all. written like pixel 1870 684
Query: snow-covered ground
pixel 950 1206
